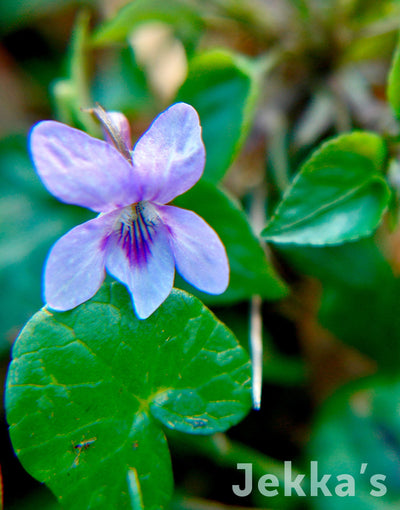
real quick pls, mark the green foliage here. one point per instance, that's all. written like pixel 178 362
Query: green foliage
pixel 18 13
pixel 71 95
pixel 180 15
pixel 94 394
pixel 41 498
pixel 223 87
pixel 358 264
pixel 349 300
pixel 344 311
pixel 250 270
pixel 30 222
pixel 122 84
pixel 351 307
pixel 339 194
pixel 87 389
pixel 359 425
pixel 393 88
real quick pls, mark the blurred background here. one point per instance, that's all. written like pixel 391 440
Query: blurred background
pixel 331 387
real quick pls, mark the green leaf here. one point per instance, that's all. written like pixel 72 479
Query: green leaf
pixel 30 222
pixel 367 319
pixel 359 425
pixel 86 391
pixel 121 84
pixel 339 194
pixel 358 264
pixel 41 498
pixel 223 87
pixel 17 13
pixel 250 270
pixel 375 44
pixel 72 94
pixel 360 299
pixel 184 18
pixel 393 88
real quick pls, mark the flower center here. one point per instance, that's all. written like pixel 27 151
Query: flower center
pixel 135 229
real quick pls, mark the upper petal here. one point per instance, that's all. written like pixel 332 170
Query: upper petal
pixel 140 256
pixel 82 170
pixel 75 265
pixel 200 256
pixel 169 158
pixel 121 124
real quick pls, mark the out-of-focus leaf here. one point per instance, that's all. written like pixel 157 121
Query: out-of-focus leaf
pixel 357 264
pixel 121 84
pixel 339 194
pixel 376 32
pixel 87 388
pixel 364 12
pixel 357 433
pixel 223 87
pixel 41 498
pixel 371 47
pixel 360 299
pixel 393 88
pixel 71 94
pixel 183 16
pixel 366 318
pixel 251 272
pixel 17 13
pixel 302 7
pixel 30 222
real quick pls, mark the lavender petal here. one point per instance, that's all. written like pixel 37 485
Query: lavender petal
pixel 200 256
pixel 139 255
pixel 82 170
pixel 169 158
pixel 75 266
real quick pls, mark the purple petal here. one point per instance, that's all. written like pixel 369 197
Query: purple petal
pixel 169 158
pixel 140 256
pixel 75 265
pixel 200 256
pixel 82 170
pixel 121 124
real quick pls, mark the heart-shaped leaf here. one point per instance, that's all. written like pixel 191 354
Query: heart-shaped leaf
pixel 223 87
pixel 250 270
pixel 339 194
pixel 87 389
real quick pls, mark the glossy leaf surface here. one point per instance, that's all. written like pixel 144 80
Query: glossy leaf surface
pixel 339 194
pixel 223 88
pixel 87 389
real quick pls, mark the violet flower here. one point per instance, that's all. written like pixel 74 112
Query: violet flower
pixel 136 237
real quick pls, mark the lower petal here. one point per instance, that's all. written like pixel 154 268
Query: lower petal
pixel 139 255
pixel 200 256
pixel 75 265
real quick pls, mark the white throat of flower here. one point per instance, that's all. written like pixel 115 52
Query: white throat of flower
pixel 135 228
